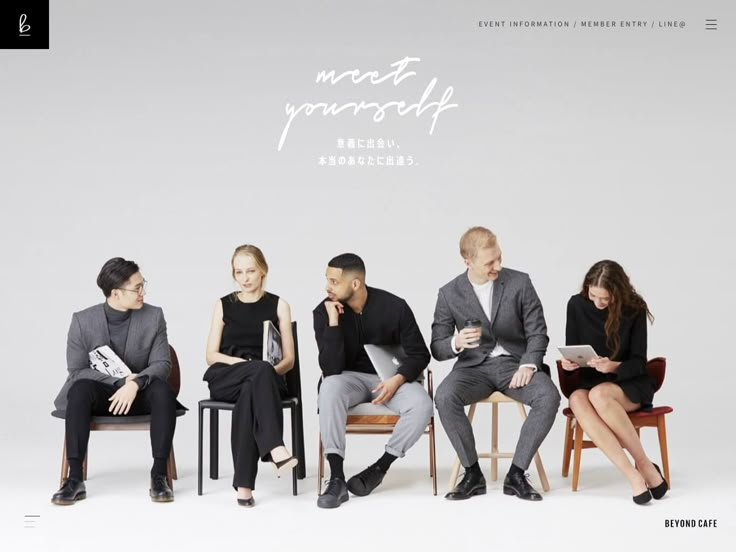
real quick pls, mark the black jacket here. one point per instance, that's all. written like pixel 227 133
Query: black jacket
pixel 386 320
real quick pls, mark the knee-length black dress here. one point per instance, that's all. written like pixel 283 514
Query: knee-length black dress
pixel 586 326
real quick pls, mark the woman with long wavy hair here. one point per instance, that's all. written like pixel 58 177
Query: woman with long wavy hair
pixel 611 316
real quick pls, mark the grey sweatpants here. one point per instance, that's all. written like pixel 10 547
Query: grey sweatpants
pixel 340 392
pixel 464 386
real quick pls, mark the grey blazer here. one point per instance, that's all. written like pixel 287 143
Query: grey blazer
pixel 517 320
pixel 146 350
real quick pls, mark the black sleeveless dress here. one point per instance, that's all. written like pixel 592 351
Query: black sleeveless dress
pixel 242 335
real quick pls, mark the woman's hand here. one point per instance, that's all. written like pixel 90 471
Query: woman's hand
pixel 604 365
pixel 568 365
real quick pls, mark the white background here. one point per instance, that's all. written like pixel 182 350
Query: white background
pixel 149 131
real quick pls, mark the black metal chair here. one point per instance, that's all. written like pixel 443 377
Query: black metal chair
pixel 293 402
pixel 130 423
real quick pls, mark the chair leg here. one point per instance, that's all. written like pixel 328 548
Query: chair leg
pixel 433 456
pixel 662 434
pixel 471 412
pixel 320 466
pixel 172 459
pixel 541 472
pixel 199 452
pixel 84 465
pixel 302 466
pixel 576 455
pixel 170 472
pixel 453 474
pixel 294 450
pixel 214 443
pixel 64 464
pixel 494 441
pixel 431 467
pixel 567 447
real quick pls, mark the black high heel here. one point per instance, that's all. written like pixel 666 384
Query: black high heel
pixel 660 490
pixel 643 498
pixel 247 502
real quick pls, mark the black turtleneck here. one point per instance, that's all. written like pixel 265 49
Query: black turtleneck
pixel 118 323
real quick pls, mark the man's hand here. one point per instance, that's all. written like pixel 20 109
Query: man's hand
pixel 334 310
pixel 568 365
pixel 522 377
pixel 467 338
pixel 387 388
pixel 604 365
pixel 123 398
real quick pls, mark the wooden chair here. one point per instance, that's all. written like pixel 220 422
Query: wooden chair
pixel 372 419
pixel 495 399
pixel 293 402
pixel 641 418
pixel 129 423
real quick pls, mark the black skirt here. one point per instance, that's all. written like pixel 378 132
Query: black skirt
pixel 638 390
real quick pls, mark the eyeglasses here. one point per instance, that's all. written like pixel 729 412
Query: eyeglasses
pixel 140 289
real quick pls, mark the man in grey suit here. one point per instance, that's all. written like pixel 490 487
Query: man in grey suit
pixel 500 345
pixel 136 333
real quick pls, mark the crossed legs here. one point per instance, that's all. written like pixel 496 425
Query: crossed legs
pixel 603 414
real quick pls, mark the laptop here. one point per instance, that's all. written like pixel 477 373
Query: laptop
pixel 386 359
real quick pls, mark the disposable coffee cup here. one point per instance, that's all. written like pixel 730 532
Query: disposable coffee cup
pixel 473 323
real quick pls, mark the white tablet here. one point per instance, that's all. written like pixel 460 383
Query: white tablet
pixel 579 354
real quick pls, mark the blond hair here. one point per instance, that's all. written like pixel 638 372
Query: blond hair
pixel 256 254
pixel 476 238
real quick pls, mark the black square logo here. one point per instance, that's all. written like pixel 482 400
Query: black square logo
pixel 24 24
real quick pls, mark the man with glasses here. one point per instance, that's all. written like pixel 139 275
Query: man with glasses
pixel 136 333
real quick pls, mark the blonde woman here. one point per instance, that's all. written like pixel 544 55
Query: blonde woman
pixel 237 373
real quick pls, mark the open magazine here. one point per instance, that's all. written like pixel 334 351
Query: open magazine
pixel 272 352
pixel 103 359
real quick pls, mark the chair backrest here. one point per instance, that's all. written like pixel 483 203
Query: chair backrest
pixel 656 368
pixel 293 376
pixel 174 378
pixel 569 380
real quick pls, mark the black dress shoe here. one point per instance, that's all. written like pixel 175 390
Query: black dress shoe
pixel 284 465
pixel 363 483
pixel 160 490
pixel 473 483
pixel 642 498
pixel 71 491
pixel 247 502
pixel 517 484
pixel 335 494
pixel 660 490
